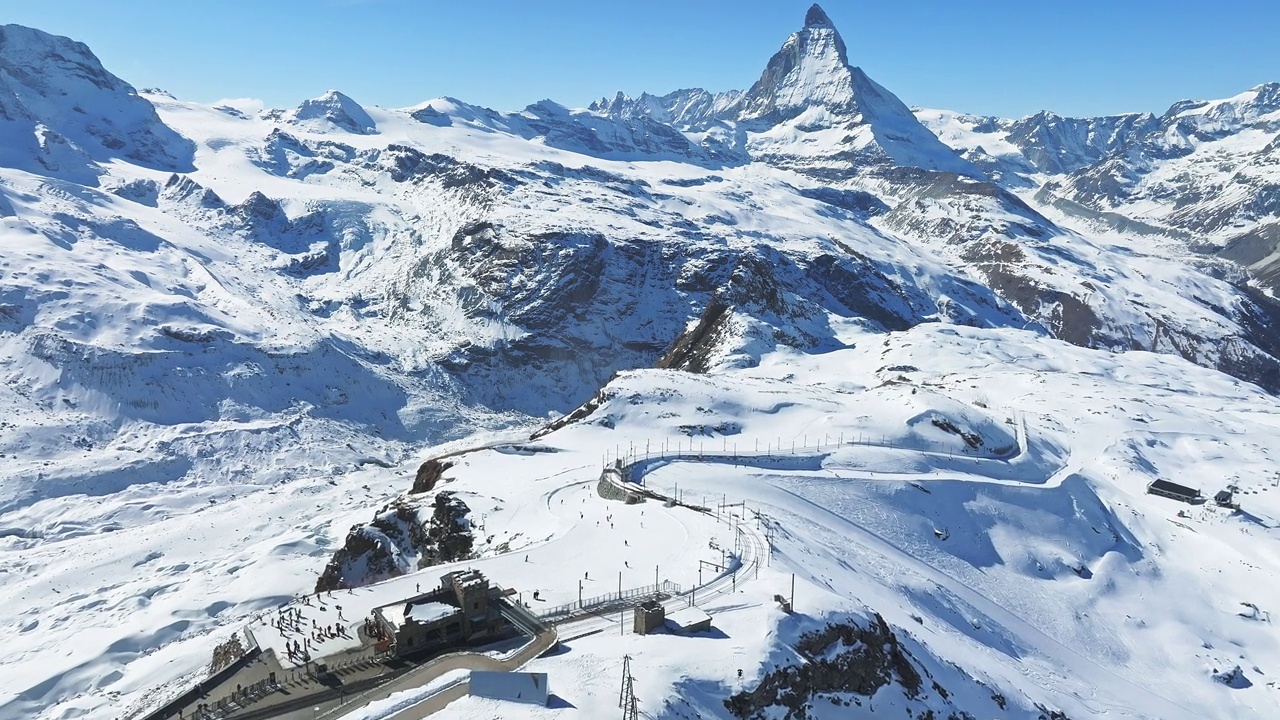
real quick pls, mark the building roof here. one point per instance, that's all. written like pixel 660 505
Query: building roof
pixel 512 686
pixel 1175 488
pixel 468 578
pixel 688 617
pixel 424 613
pixel 430 612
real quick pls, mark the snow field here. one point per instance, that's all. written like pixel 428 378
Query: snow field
pixel 193 428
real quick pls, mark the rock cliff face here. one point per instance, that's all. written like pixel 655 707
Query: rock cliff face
pixel 839 660
pixel 860 666
pixel 400 540
pixel 428 476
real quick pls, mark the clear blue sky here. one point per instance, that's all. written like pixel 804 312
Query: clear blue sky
pixel 1002 57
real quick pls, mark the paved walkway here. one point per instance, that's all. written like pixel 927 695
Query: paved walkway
pixel 430 672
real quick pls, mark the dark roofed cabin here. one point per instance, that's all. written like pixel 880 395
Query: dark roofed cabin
pixel 1174 491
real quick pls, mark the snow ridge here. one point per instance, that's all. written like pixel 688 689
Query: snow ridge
pixel 61 111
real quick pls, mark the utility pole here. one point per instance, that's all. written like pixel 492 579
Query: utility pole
pixel 793 592
pixel 627 695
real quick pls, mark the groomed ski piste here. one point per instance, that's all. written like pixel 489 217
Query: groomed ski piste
pixel 1034 564
pixel 1035 561
pixel 1050 565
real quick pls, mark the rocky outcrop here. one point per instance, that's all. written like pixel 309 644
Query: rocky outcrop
pixel 448 536
pixel 407 164
pixel 399 541
pixel 842 658
pixel 692 351
pixel 428 475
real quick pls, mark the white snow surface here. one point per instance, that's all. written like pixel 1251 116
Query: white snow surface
pixel 197 416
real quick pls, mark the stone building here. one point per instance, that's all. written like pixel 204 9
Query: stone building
pixel 460 613
pixel 649 616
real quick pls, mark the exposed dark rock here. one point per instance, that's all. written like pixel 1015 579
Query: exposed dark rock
pixel 408 164
pixel 284 154
pixel 563 271
pixel 1232 678
pixel 448 537
pixel 428 475
pixel 1003 265
pixel 192 335
pixel 863 289
pixel 861 204
pixel 261 214
pixel 815 17
pixel 142 190
pixel 692 351
pixel 182 189
pixel 384 548
pixel 840 658
pixel 431 116
pixel 973 440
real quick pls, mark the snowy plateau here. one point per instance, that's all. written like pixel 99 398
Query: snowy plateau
pixel 913 368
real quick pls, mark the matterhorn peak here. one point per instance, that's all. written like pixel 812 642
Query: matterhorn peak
pixel 811 69
pixel 817 18
pixel 811 76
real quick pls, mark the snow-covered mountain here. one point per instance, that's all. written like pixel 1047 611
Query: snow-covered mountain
pixel 229 337
pixel 810 110
pixel 61 113
pixel 1204 174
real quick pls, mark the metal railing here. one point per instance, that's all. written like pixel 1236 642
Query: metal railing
pixel 689 448
pixel 238 700
pixel 559 613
